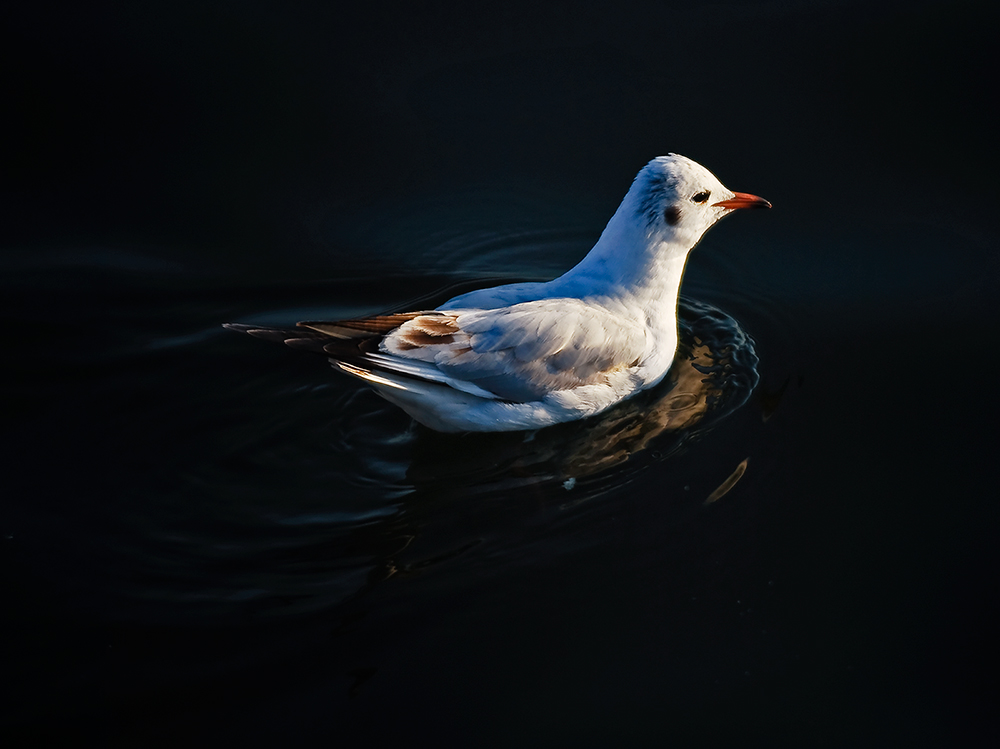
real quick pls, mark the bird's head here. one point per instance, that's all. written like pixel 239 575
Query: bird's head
pixel 676 197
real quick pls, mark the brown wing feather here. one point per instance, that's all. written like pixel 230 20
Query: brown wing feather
pixel 351 339
pixel 362 327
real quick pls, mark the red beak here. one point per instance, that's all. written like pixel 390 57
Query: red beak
pixel 743 200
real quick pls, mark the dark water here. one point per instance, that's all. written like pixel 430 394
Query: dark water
pixel 208 538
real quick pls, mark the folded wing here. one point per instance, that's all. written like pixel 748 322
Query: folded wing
pixel 518 353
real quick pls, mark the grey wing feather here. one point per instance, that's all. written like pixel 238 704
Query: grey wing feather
pixel 533 348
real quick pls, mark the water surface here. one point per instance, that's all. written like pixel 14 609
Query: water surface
pixel 208 538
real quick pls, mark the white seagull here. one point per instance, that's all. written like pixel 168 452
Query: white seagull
pixel 528 355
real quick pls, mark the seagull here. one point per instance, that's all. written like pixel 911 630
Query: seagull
pixel 525 356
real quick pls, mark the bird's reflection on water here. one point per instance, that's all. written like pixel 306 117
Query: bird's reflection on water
pixel 714 373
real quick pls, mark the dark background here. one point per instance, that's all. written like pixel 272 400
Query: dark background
pixel 168 167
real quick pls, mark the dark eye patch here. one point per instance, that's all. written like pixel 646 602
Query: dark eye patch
pixel 701 197
pixel 672 215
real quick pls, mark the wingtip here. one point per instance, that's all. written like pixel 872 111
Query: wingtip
pixel 331 329
pixel 256 331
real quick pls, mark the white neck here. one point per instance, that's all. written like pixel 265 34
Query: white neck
pixel 634 263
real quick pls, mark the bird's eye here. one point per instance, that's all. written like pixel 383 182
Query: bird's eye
pixel 701 197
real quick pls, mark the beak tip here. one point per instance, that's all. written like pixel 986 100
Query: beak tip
pixel 743 200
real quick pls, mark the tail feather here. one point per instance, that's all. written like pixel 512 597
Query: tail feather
pixel 353 347
pixel 375 326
